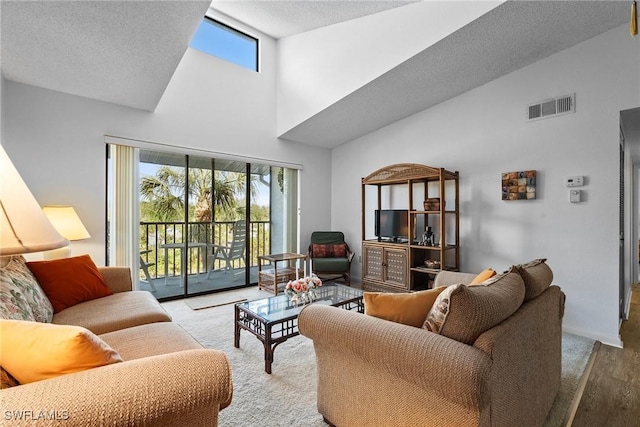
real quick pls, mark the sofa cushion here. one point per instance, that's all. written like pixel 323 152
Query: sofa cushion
pixel 537 277
pixel 471 310
pixel 329 251
pixel 406 308
pixel 150 340
pixel 21 298
pixel 118 311
pixel 69 281
pixel 330 264
pixel 34 351
pixel 485 274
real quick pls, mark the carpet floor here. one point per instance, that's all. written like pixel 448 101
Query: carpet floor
pixel 287 397
pixel 217 299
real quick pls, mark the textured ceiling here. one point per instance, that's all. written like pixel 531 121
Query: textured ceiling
pixel 280 19
pixel 509 37
pixel 123 52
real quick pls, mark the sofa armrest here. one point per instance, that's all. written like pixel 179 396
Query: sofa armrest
pixel 183 388
pixel 456 371
pixel 350 254
pixel 448 278
pixel 117 278
pixel 526 349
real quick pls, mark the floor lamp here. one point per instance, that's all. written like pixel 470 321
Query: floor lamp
pixel 24 228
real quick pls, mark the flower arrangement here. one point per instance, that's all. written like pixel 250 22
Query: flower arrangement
pixel 303 290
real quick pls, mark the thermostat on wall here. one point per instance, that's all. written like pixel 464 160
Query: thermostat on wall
pixel 574 181
pixel 575 196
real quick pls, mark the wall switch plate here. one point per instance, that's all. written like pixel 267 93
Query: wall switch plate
pixel 574 181
pixel 575 196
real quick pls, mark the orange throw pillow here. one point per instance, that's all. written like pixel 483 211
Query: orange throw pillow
pixel 406 308
pixel 34 351
pixel 485 274
pixel 69 281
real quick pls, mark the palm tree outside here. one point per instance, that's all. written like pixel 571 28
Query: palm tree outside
pixel 162 209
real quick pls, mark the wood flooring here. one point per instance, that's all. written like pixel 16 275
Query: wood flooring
pixel 611 397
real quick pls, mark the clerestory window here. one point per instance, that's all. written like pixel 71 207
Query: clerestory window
pixel 222 41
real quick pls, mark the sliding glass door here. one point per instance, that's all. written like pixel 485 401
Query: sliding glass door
pixel 165 256
pixel 205 221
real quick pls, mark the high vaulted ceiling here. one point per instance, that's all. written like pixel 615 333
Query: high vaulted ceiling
pixel 507 38
pixel 284 18
pixel 125 52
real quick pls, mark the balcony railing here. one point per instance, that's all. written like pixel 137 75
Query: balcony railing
pixel 203 235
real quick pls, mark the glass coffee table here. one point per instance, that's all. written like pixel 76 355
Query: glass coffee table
pixel 274 320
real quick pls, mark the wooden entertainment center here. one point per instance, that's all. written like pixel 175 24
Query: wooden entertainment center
pixel 398 265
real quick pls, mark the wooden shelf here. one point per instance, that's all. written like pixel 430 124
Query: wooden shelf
pixel 426 270
pixel 433 212
pixel 390 266
pixel 433 248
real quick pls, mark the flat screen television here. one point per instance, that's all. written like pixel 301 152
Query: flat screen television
pixel 392 224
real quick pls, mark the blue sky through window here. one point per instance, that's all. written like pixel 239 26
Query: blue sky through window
pixel 223 42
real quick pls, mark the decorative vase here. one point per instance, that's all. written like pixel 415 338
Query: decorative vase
pixel 294 300
pixel 304 297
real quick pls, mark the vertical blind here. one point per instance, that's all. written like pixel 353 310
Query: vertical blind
pixel 123 210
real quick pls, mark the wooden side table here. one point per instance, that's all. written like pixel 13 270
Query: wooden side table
pixel 269 279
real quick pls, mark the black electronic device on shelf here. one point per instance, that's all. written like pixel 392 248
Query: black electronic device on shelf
pixel 392 225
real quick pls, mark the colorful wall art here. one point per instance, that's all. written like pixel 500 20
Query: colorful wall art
pixel 519 185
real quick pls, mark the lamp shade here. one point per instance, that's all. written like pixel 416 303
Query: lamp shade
pixel 66 221
pixel 24 227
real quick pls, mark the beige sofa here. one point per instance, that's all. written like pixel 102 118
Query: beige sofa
pixel 167 378
pixel 373 372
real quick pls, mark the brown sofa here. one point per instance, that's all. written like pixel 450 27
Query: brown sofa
pixel 167 378
pixel 373 372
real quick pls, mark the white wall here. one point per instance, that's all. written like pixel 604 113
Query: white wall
pixel 2 83
pixel 318 68
pixel 483 133
pixel 56 140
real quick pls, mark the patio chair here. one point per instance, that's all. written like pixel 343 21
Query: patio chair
pixel 234 250
pixel 330 255
pixel 144 266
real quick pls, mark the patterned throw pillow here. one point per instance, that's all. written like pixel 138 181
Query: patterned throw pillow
pixel 440 309
pixel 21 298
pixel 472 310
pixel 340 251
pixel 6 380
pixel 329 251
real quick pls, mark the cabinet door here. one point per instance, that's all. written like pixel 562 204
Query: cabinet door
pixel 396 263
pixel 372 262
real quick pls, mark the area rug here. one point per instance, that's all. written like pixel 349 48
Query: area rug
pixel 287 397
pixel 576 352
pixel 216 300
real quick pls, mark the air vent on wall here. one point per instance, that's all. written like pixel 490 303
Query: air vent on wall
pixel 552 107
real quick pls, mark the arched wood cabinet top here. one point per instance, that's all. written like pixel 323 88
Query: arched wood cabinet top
pixel 403 172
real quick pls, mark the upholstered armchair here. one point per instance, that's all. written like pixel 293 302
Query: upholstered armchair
pixel 330 255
